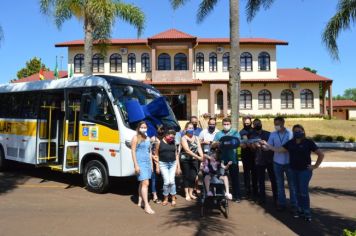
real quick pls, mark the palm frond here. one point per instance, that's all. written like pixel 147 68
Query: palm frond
pixel 253 6
pixel 178 3
pixel 205 7
pixel 345 15
pixel 131 14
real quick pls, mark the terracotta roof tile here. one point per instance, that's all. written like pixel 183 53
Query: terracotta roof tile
pixel 49 75
pixel 172 34
pixel 342 103
pixel 242 41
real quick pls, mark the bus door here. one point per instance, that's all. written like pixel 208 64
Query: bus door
pixel 71 137
pixel 50 118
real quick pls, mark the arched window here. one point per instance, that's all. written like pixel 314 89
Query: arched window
pixel 245 100
pixel 287 99
pixel 264 99
pixel 79 63
pixel 180 62
pixel 131 62
pixel 306 99
pixel 264 61
pixel 98 63
pixel 164 62
pixel 220 100
pixel 213 62
pixel 246 61
pixel 226 61
pixel 199 62
pixel 115 63
pixel 145 62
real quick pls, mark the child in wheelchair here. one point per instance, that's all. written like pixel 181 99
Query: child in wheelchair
pixel 216 181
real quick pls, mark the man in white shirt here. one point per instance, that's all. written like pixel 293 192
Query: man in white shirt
pixel 207 135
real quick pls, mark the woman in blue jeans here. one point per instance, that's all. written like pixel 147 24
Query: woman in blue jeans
pixel 300 149
pixel 169 166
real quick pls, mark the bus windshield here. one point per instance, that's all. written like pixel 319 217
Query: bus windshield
pixel 144 95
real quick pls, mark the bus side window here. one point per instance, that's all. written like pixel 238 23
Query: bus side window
pixel 4 105
pixel 30 106
pixel 14 105
pixel 97 108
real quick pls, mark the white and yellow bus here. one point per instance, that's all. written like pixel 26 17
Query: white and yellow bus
pixel 77 125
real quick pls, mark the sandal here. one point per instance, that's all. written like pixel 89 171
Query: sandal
pixel 149 211
pixel 174 203
pixel 157 201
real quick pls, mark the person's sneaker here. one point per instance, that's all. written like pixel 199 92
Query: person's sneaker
pixel 228 196
pixel 210 194
pixel 308 218
pixel 281 208
pixel 297 214
pixel 237 200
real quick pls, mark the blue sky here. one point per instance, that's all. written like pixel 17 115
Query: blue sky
pixel 300 22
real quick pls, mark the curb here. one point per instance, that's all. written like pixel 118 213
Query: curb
pixel 331 164
pixel 338 145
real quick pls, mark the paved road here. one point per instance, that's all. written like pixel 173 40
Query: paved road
pixel 41 202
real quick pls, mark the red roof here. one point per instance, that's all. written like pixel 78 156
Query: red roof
pixel 174 34
pixel 342 103
pixel 49 75
pixel 292 75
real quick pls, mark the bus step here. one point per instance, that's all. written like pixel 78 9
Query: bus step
pixel 56 167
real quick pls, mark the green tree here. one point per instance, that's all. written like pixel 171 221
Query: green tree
pixel 342 20
pixel 350 94
pixel 310 70
pixel 98 17
pixel 33 66
pixel 252 6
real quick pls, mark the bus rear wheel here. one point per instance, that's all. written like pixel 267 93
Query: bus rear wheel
pixel 96 177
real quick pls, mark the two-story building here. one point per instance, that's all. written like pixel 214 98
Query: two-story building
pixel 193 73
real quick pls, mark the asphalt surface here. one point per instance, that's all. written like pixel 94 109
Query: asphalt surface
pixel 37 201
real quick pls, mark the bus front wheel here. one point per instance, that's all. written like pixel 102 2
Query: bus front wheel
pixel 96 177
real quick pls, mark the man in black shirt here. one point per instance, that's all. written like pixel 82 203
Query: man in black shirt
pixel 248 160
pixel 263 161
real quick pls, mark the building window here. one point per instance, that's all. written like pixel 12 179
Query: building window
pixel 246 61
pixel 226 61
pixel 98 63
pixel 220 100
pixel 131 62
pixel 287 99
pixel 115 63
pixel 306 99
pixel 180 62
pixel 213 62
pixel 245 100
pixel 79 63
pixel 200 62
pixel 264 99
pixel 145 63
pixel 264 61
pixel 164 62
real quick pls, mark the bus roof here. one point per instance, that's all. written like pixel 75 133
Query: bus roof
pixel 83 81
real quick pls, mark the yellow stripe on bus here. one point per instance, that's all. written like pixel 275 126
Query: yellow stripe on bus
pixel 98 133
pixel 23 128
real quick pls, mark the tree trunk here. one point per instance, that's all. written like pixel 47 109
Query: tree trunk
pixel 88 46
pixel 234 70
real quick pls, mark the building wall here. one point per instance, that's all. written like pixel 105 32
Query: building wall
pixel 352 113
pixel 275 90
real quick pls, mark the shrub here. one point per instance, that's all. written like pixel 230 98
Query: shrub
pixel 349 233
pixel 318 138
pixel 340 138
pixel 352 139
pixel 328 138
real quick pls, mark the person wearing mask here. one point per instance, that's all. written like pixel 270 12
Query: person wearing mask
pixel 154 142
pixel 264 162
pixel 206 137
pixel 194 121
pixel 299 149
pixel 142 159
pixel 228 155
pixel 169 165
pixel 190 154
pixel 277 139
pixel 248 160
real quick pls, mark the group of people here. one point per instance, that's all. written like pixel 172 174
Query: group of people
pixel 279 153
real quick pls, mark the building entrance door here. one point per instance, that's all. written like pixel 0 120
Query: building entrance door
pixel 178 104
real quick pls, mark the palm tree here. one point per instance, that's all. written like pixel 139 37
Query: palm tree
pixel 345 15
pixel 98 17
pixel 205 7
